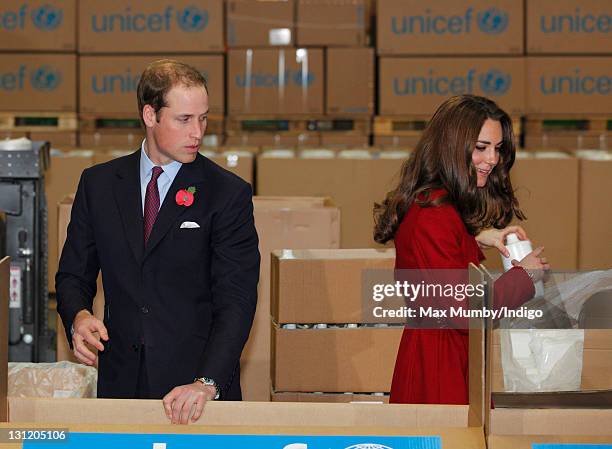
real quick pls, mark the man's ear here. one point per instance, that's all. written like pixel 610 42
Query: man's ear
pixel 148 116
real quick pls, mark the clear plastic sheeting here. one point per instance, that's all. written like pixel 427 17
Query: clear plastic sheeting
pixel 52 380
pixel 538 360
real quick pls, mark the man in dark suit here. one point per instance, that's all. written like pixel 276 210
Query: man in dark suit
pixel 174 237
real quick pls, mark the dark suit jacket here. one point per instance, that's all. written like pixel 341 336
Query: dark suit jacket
pixel 190 295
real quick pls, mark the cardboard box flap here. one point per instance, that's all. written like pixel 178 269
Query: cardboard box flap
pixel 292 202
pixel 556 399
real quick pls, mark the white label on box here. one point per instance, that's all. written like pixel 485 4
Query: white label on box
pixel 279 36
pixel 15 288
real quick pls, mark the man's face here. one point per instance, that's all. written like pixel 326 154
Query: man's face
pixel 178 133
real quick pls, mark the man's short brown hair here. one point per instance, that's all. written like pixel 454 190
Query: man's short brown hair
pixel 161 76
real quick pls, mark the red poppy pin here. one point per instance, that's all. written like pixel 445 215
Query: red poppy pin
pixel 184 197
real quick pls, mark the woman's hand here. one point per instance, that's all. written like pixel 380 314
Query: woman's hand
pixel 494 238
pixel 534 264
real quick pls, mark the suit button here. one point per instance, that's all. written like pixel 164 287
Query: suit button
pixel 144 309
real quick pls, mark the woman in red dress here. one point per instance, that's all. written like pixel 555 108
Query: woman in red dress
pixel 454 198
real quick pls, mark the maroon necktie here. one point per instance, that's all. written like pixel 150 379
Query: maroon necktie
pixel 151 206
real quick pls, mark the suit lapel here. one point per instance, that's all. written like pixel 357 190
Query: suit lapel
pixel 187 176
pixel 128 196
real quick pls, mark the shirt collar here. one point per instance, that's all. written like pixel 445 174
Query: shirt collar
pixel 146 165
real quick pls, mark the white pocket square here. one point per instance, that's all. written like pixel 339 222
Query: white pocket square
pixel 189 225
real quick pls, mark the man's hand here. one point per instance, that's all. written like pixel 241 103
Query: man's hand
pixel 187 400
pixel 87 330
pixel 494 238
pixel 534 263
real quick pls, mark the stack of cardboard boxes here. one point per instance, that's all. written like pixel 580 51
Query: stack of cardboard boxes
pixel 118 39
pixel 38 70
pixel 431 51
pixel 569 64
pixel 299 73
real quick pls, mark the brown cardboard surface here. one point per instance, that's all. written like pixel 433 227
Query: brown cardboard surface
pixel 241 164
pixel 349 81
pixel 117 26
pixel 260 23
pixel 58 139
pixel 107 84
pixel 279 414
pixel 264 139
pixel 332 139
pixel 61 179
pixel 37 82
pixel 356 360
pixel 332 22
pixel 569 85
pixel 328 397
pixel 526 442
pixel 290 222
pixel 4 300
pixel 595 232
pixel 323 286
pixel 568 27
pixel 354 184
pixel 553 422
pixel 446 27
pixel 551 208
pixel 400 142
pixel 38 25
pixel 420 85
pixel 566 141
pixel 298 89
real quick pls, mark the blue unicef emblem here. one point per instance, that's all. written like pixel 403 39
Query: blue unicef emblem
pixel 47 17
pixel 368 446
pixel 45 78
pixel 192 19
pixel 492 21
pixel 495 82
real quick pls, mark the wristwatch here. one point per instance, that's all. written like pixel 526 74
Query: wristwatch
pixel 209 382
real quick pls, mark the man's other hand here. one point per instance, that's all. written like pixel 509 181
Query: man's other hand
pixel 187 401
pixel 88 330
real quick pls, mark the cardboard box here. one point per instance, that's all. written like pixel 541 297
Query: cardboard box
pixel 568 141
pixel 569 85
pixel 108 83
pixel 349 81
pixel 260 23
pixel 551 207
pixel 330 397
pixel 4 304
pixel 265 139
pixel 117 26
pixel 355 360
pixel 240 163
pixel 419 86
pixel 323 286
pixel 275 81
pixel 344 141
pixel 37 82
pixel 399 142
pixel 38 25
pixel 446 27
pixel 291 222
pixel 332 23
pixel 61 179
pixel 58 139
pixel 568 27
pixel 354 184
pixel 595 232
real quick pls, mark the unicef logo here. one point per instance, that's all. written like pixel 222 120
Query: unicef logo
pixel 492 21
pixel 495 82
pixel 368 446
pixel 45 78
pixel 47 17
pixel 192 19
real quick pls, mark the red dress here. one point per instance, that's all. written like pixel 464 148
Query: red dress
pixel 432 364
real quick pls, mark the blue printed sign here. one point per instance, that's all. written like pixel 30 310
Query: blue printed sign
pixel 191 441
pixel 571 446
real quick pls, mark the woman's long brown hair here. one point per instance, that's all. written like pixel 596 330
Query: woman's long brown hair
pixel 443 160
